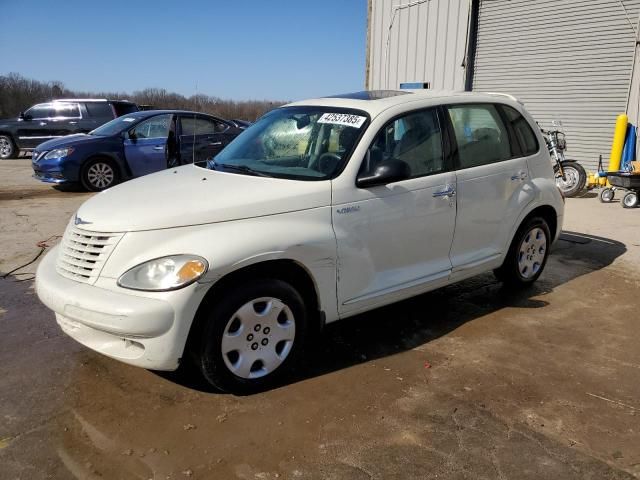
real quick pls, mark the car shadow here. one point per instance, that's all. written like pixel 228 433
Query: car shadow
pixel 416 321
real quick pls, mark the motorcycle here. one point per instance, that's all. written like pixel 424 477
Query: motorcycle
pixel 571 178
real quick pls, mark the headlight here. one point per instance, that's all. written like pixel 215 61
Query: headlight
pixel 166 273
pixel 59 153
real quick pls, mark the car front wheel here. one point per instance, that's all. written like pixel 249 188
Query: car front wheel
pixel 7 148
pixel 527 255
pixel 252 336
pixel 99 174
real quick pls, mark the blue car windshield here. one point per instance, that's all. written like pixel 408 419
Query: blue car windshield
pixel 302 143
pixel 117 125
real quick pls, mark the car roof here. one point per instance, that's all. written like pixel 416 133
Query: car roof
pixel 376 101
pixel 89 100
pixel 150 113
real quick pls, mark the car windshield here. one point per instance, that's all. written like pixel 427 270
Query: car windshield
pixel 302 143
pixel 117 125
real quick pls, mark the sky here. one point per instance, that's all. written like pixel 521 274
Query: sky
pixel 242 49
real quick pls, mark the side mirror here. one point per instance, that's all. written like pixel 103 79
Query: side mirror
pixel 132 135
pixel 25 117
pixel 387 172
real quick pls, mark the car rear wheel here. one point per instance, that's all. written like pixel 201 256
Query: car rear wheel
pixel 527 255
pixel 252 337
pixel 7 148
pixel 99 174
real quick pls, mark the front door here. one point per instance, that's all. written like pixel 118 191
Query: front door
pixel 493 185
pixel 394 239
pixel 144 147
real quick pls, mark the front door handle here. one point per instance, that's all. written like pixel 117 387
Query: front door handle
pixel 42 124
pixel 73 123
pixel 215 144
pixel 159 147
pixel 519 176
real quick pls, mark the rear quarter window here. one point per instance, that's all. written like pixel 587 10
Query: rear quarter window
pixel 524 134
pixel 102 110
pixel 124 108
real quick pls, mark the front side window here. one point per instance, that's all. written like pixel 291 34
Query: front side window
pixel 44 110
pixel 415 139
pixel 522 129
pixel 155 127
pixel 481 135
pixel 304 143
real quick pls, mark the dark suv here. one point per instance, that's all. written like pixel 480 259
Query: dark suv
pixel 57 118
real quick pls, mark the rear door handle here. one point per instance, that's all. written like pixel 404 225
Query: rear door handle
pixel 159 147
pixel 215 144
pixel 519 176
pixel 449 192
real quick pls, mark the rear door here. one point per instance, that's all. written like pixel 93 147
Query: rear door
pixel 201 138
pixel 493 185
pixel 144 147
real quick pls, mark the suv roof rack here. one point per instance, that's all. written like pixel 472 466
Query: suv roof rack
pixel 88 100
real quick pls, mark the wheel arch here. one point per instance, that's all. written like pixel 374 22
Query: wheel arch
pixel 288 270
pixel 548 213
pixel 123 169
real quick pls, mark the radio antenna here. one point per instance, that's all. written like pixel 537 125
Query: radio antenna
pixel 193 146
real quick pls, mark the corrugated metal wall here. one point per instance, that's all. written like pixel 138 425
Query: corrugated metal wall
pixel 566 59
pixel 426 43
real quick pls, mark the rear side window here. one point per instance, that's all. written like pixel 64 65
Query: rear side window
pixel 66 110
pixel 197 126
pixel 102 110
pixel 415 138
pixel 522 129
pixel 124 108
pixel 481 135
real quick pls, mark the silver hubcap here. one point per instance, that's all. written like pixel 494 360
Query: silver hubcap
pixel 5 147
pixel 531 252
pixel 571 179
pixel 100 175
pixel 258 337
pixel 630 199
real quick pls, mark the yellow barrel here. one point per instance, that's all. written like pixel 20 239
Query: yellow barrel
pixel 618 143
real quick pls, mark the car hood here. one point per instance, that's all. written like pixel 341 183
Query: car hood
pixel 67 141
pixel 192 195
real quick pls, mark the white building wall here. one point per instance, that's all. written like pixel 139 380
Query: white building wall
pixel 426 43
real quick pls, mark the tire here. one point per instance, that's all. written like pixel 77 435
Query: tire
pixel 527 255
pixel 606 195
pixel 630 200
pixel 99 174
pixel 243 350
pixel 575 179
pixel 7 148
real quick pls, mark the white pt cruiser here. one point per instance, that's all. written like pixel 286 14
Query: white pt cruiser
pixel 321 210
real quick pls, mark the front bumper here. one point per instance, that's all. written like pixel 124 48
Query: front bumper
pixel 140 330
pixel 49 177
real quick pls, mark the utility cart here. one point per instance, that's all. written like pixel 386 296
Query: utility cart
pixel 622 181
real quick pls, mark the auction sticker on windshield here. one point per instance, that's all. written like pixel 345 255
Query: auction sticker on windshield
pixel 346 119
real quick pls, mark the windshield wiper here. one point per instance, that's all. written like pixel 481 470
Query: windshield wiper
pixel 241 168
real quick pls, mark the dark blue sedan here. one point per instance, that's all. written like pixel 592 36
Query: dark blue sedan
pixel 131 146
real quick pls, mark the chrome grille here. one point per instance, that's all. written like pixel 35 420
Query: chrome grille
pixel 83 253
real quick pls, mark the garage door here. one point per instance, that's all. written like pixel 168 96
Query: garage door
pixel 567 60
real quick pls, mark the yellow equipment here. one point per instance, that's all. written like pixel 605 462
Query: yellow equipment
pixel 618 143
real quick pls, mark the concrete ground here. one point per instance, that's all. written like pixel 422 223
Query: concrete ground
pixel 471 381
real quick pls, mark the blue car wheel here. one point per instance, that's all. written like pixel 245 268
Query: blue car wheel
pixel 99 174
